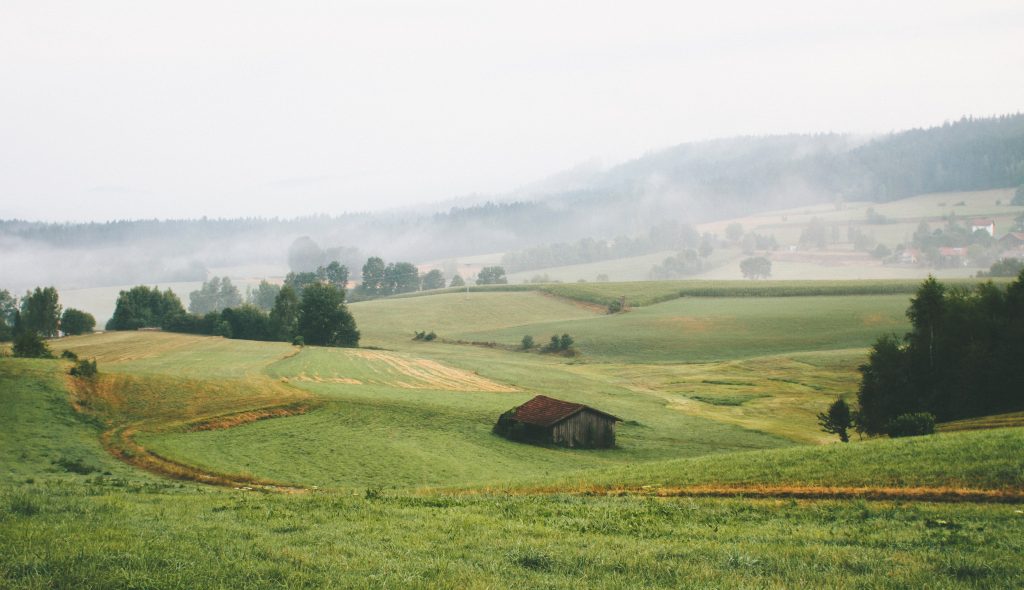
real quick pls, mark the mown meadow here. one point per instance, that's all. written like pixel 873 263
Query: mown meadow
pixel 376 467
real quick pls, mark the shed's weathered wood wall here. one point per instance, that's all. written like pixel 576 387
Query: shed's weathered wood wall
pixel 584 429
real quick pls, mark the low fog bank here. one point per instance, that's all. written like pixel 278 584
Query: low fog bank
pixel 684 185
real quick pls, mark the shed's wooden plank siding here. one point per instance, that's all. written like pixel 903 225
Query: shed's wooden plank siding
pixel 584 429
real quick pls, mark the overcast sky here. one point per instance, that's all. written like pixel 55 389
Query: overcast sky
pixel 183 109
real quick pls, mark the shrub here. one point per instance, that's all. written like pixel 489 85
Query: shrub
pixel 75 466
pixel 915 424
pixel 561 344
pixel 430 337
pixel 30 345
pixel 85 368
pixel 527 342
pixel 67 354
pixel 552 346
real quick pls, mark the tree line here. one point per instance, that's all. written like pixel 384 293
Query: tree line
pixel 312 314
pixel 961 358
pixel 669 235
pixel 38 315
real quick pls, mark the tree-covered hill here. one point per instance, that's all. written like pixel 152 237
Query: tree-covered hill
pixel 688 183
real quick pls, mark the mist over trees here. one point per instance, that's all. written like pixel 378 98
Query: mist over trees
pixel 491 275
pixel 690 183
pixel 263 296
pixel 8 315
pixel 433 279
pixel 382 280
pixel 214 295
pixel 666 235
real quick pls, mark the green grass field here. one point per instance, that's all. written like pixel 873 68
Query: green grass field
pixel 399 482
pixel 705 329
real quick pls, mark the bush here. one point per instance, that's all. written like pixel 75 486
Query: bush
pixel 84 368
pixel 561 344
pixel 756 268
pixel 430 337
pixel 29 345
pixel 67 354
pixel 911 425
pixel 527 342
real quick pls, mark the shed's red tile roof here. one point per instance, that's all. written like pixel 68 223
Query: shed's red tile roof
pixel 545 411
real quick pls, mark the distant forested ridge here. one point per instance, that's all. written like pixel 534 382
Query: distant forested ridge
pixel 689 183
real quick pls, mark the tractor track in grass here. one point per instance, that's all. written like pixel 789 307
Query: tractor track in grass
pixel 119 439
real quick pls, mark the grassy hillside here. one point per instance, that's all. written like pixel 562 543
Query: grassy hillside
pixel 414 420
pixel 42 437
pixel 988 460
pixel 691 377
pixel 59 528
pixel 703 329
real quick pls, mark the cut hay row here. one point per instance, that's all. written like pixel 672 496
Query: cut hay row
pixel 428 374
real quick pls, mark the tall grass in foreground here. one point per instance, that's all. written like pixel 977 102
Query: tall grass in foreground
pixel 89 535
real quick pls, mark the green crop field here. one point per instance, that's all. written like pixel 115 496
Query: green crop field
pixel 395 479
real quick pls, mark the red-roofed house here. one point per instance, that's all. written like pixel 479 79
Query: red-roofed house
pixel 548 420
pixel 1012 240
pixel 953 256
pixel 988 225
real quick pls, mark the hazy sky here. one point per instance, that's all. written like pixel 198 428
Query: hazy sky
pixel 183 109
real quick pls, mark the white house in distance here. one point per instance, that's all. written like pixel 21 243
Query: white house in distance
pixel 988 225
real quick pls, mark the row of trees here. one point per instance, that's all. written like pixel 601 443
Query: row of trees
pixel 39 312
pixel 961 358
pixel 316 316
pixel 380 279
pixel 38 316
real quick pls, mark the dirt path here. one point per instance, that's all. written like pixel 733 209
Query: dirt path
pixel 119 439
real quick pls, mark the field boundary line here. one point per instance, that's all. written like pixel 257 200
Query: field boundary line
pixel 800 492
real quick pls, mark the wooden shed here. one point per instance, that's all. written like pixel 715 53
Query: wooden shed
pixel 547 420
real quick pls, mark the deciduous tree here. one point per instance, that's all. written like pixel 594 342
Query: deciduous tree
pixel 74 322
pixel 323 318
pixel 837 420
pixel 40 312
